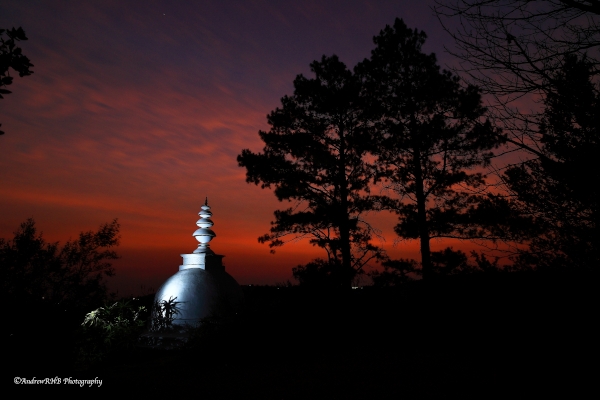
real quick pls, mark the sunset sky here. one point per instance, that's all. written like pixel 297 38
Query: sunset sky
pixel 137 110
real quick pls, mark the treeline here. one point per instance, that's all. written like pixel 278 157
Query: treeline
pixel 400 123
pixel 48 283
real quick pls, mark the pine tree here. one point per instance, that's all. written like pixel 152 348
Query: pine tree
pixel 315 156
pixel 431 140
pixel 559 189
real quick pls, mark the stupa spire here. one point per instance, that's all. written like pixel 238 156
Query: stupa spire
pixel 204 234
pixel 201 287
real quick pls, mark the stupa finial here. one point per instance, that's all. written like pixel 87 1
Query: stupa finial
pixel 204 234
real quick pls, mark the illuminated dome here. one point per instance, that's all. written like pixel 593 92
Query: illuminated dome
pixel 201 288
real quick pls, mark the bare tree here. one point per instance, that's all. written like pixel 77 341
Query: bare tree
pixel 539 64
pixel 514 49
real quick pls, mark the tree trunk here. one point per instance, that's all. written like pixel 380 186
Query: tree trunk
pixel 344 223
pixel 422 215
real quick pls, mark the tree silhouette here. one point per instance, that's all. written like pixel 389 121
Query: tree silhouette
pixel 560 189
pixel 11 56
pixel 518 50
pixel 514 49
pixel 516 46
pixel 395 272
pixel 33 271
pixel 317 274
pixel 431 140
pixel 315 155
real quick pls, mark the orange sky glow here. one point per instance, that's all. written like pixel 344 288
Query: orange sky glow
pixel 137 110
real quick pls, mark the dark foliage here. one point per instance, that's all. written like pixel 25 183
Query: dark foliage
pixel 395 272
pixel 471 336
pixel 317 274
pixel 110 330
pixel 447 262
pixel 68 277
pixel 559 191
pixel 163 314
pixel 12 57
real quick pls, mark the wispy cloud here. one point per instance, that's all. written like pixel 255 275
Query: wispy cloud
pixel 137 110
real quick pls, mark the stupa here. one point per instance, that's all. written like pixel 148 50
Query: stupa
pixel 201 289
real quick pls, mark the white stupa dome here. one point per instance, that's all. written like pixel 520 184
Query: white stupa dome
pixel 201 288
